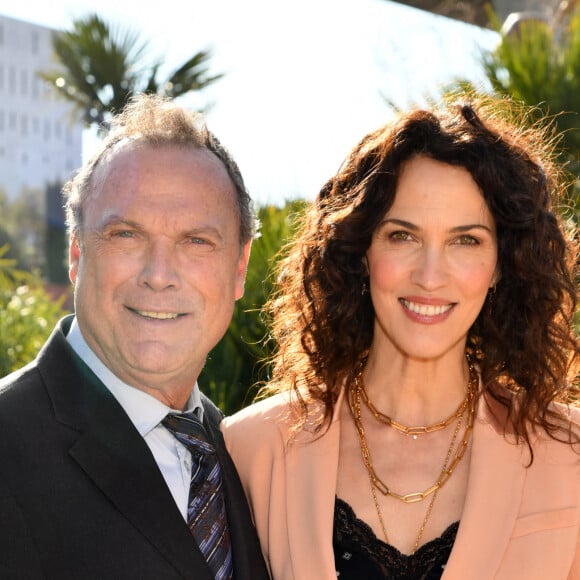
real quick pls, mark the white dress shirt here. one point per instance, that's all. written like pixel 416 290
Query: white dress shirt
pixel 146 413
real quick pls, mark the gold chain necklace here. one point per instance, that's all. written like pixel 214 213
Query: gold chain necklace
pixel 412 431
pixel 446 471
pixel 431 503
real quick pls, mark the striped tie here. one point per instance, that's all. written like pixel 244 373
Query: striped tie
pixel 206 512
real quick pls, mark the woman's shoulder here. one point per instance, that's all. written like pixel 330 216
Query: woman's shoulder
pixel 568 414
pixel 563 441
pixel 263 415
pixel 259 432
pixel 571 414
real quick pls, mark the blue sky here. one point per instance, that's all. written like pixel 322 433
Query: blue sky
pixel 303 81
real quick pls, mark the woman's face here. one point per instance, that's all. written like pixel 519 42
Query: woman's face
pixel 432 261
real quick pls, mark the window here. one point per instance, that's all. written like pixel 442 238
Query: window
pixel 36 81
pixel 11 80
pixel 23 82
pixel 46 131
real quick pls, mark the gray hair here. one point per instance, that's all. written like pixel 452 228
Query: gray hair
pixel 157 121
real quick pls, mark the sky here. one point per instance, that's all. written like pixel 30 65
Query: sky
pixel 303 81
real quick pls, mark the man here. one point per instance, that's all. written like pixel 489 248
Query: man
pixel 94 484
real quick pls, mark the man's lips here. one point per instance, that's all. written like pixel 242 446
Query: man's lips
pixel 157 314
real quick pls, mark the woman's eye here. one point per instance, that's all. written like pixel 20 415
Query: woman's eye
pixel 467 240
pixel 400 236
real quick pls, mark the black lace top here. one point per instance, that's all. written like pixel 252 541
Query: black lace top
pixel 358 553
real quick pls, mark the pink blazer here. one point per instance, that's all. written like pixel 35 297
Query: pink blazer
pixel 518 523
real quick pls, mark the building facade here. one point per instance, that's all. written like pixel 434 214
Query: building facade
pixel 40 140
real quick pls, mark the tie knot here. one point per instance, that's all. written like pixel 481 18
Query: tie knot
pixel 188 429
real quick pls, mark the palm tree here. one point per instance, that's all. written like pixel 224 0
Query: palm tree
pixel 101 66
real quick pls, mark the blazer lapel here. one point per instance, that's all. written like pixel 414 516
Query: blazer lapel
pixel 113 454
pixel 312 468
pixel 496 477
pixel 133 483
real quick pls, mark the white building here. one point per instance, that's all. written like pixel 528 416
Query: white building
pixel 40 142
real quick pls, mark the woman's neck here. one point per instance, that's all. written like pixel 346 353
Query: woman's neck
pixel 416 392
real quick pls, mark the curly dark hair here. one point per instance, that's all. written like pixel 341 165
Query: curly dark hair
pixel 523 339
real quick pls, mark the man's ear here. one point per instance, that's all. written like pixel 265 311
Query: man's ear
pixel 74 256
pixel 242 268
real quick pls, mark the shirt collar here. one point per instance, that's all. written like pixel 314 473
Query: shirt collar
pixel 144 410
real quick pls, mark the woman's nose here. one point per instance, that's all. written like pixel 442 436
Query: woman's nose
pixel 430 271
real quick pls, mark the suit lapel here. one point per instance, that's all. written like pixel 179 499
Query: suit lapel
pixel 114 455
pixel 246 552
pixel 496 478
pixel 312 468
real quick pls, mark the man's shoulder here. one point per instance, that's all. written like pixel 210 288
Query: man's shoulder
pixel 211 410
pixel 29 373
pixel 19 380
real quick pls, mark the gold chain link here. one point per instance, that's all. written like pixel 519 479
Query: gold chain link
pixel 446 472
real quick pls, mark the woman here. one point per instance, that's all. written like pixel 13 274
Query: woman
pixel 425 358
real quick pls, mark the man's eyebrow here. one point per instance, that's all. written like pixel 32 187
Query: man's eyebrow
pixel 116 220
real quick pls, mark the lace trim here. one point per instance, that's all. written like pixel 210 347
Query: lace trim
pixel 358 551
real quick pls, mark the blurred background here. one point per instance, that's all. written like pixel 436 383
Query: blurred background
pixel 288 88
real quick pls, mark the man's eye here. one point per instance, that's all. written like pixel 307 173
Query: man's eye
pixel 122 234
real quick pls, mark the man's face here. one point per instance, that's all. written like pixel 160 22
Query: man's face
pixel 158 266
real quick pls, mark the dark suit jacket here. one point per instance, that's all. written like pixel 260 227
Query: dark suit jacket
pixel 81 496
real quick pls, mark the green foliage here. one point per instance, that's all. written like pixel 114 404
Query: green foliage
pixel 100 66
pixel 235 367
pixel 540 65
pixel 23 228
pixel 27 315
pixel 34 240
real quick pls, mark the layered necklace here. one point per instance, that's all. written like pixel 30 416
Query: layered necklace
pixel 465 410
